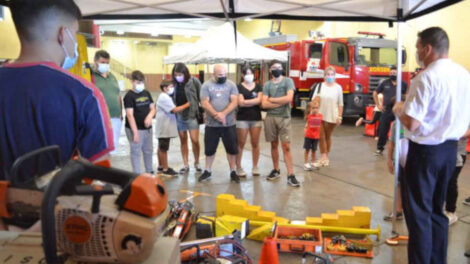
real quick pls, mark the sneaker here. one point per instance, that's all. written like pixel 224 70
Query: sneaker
pixel 467 201
pixel 205 176
pixel 378 152
pixel 197 167
pixel 359 121
pixel 184 170
pixel 313 166
pixel 452 217
pixel 317 164
pixel 274 175
pixel 241 173
pixel 255 171
pixel 170 172
pixel 292 181
pixel 160 169
pixel 389 217
pixel 307 167
pixel 234 177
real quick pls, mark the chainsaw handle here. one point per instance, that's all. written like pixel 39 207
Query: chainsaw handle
pixel 73 172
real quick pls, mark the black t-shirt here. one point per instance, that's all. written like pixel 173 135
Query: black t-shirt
pixel 180 94
pixel 252 113
pixel 140 102
pixel 389 90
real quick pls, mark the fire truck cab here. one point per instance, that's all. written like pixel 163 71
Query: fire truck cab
pixel 361 63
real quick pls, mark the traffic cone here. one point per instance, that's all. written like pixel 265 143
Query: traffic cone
pixel 269 252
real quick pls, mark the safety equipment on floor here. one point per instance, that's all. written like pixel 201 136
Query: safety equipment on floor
pixel 92 224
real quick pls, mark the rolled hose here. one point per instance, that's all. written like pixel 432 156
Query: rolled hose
pixel 70 176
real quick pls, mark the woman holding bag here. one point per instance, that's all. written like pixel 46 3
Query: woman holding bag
pixel 331 108
pixel 187 95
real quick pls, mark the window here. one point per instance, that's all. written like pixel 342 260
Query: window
pixel 377 57
pixel 315 51
pixel 338 54
pixel 2 13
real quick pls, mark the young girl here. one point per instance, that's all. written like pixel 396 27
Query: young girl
pixel 166 125
pixel 312 132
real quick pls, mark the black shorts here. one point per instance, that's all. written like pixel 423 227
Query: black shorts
pixel 229 138
pixel 163 144
pixel 310 144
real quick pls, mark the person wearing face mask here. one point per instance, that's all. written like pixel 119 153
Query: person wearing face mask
pixel 140 111
pixel 248 119
pixel 219 97
pixel 331 107
pixel 108 85
pixel 434 117
pixel 186 95
pixel 42 103
pixel 277 97
pixel 388 89
pixel 166 127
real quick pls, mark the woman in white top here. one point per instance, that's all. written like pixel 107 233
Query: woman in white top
pixel 331 107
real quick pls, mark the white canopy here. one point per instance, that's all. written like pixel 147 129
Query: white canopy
pixel 344 10
pixel 218 44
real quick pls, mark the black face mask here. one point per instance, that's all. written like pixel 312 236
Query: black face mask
pixel 276 72
pixel 393 77
pixel 221 80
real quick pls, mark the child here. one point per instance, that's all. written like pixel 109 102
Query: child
pixel 312 133
pixel 402 152
pixel 375 117
pixel 140 111
pixel 166 125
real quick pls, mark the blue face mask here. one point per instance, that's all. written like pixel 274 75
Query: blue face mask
pixel 69 61
pixel 330 79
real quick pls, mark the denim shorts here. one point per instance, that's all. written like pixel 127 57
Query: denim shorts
pixel 248 124
pixel 187 124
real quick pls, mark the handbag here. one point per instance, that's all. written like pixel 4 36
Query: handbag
pixel 200 110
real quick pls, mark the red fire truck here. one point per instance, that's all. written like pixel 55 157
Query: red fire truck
pixel 361 63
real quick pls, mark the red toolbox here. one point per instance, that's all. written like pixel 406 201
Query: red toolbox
pixel 288 239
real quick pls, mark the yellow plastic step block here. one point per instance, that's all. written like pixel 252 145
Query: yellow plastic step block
pixel 225 225
pixel 222 203
pixel 314 221
pixel 281 220
pixel 266 216
pixel 358 217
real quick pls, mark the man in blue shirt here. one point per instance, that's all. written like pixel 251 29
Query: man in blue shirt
pixel 41 104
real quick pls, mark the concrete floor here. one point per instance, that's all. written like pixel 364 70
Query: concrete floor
pixel 355 177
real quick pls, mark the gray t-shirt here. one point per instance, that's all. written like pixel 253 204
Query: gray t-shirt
pixel 219 98
pixel 278 90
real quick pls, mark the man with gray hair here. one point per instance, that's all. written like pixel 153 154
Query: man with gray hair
pixel 219 99
pixel 435 119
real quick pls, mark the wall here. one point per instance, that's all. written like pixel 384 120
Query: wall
pixel 9 44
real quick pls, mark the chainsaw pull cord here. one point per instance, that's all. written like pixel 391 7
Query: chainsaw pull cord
pixel 71 175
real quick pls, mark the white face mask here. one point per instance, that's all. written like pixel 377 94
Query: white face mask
pixel 249 78
pixel 171 90
pixel 139 87
pixel 103 68
pixel 418 61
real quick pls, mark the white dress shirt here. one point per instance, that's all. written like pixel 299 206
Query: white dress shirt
pixel 439 98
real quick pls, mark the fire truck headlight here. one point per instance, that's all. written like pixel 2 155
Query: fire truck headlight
pixel 357 88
